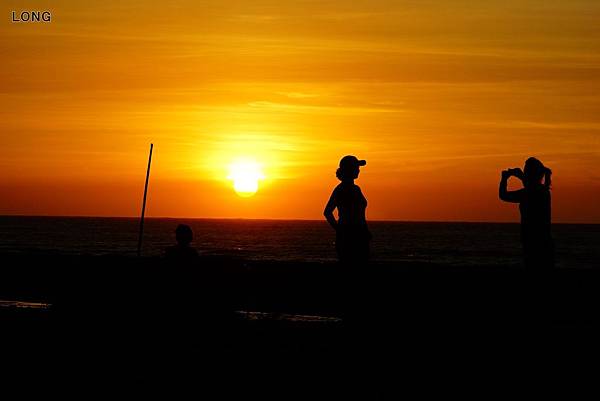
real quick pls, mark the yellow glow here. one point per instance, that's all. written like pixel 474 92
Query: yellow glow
pixel 245 175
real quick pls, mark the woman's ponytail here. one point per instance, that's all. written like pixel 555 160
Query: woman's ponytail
pixel 547 178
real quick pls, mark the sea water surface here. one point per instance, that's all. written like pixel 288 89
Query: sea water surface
pixel 294 240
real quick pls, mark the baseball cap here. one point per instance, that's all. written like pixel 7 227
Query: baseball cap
pixel 351 161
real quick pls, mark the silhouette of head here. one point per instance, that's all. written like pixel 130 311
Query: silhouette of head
pixel 533 172
pixel 183 234
pixel 349 168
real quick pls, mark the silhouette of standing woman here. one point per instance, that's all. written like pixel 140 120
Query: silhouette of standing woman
pixel 534 204
pixel 352 233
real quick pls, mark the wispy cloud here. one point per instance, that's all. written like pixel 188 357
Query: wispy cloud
pixel 312 109
pixel 542 125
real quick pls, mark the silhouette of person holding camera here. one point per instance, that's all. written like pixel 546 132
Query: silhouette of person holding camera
pixel 535 207
pixel 352 234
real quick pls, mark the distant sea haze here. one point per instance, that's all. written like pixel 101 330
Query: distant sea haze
pixel 469 244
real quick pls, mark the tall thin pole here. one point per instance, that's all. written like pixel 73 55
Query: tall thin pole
pixel 139 248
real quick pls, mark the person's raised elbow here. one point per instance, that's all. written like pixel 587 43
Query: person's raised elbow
pixel 502 190
pixel 503 196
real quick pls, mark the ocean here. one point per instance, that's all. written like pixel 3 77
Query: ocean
pixel 465 244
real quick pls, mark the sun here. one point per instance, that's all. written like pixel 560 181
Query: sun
pixel 245 175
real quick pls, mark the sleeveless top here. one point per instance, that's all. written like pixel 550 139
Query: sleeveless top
pixel 535 213
pixel 351 205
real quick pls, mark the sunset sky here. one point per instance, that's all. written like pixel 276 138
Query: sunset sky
pixel 437 96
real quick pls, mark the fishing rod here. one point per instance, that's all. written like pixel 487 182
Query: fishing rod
pixel 139 247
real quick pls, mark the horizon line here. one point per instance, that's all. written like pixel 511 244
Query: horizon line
pixel 281 219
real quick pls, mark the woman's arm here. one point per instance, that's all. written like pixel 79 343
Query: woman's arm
pixel 503 192
pixel 329 208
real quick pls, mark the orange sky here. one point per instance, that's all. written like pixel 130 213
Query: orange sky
pixel 438 96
